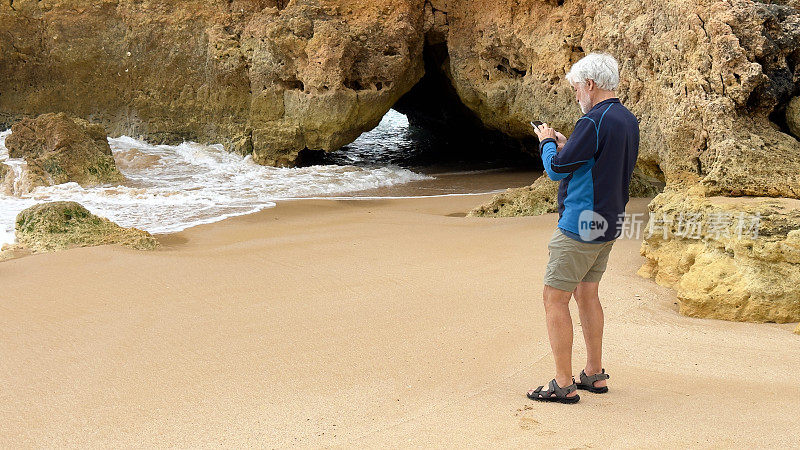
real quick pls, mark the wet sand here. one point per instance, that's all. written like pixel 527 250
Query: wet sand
pixel 447 181
pixel 365 323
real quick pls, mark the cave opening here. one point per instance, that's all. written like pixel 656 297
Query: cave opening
pixel 429 130
pixel 779 119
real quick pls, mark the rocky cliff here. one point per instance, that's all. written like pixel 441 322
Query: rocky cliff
pixel 264 77
pixel 714 85
pixel 713 82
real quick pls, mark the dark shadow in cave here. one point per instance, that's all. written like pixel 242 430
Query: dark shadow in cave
pixel 429 130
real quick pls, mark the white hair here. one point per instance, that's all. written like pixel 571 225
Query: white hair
pixel 600 67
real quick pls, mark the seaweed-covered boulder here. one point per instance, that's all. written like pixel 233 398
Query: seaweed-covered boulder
pixel 539 198
pixel 542 197
pixel 58 149
pixel 59 225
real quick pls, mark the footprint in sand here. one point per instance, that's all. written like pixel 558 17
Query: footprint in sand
pixel 527 423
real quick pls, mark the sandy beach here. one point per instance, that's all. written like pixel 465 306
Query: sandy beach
pixel 394 322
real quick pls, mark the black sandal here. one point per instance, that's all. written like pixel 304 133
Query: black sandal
pixel 555 393
pixel 587 382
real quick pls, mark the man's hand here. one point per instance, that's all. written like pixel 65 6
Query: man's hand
pixel 560 141
pixel 544 132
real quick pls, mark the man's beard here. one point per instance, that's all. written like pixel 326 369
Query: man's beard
pixel 584 105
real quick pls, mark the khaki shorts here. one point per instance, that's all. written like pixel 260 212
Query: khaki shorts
pixel 573 261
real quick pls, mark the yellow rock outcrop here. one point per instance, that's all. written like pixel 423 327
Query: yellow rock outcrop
pixel 727 258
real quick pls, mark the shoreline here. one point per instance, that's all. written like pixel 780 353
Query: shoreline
pixel 469 182
pixel 365 322
pixel 15 253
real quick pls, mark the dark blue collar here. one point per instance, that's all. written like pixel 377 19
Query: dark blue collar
pixel 605 102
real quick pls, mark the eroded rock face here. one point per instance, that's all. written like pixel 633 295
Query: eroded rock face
pixel 644 185
pixel 323 72
pixel 261 76
pixel 727 258
pixel 59 225
pixel 59 149
pixel 793 116
pixel 3 182
pixel 272 77
pixel 703 77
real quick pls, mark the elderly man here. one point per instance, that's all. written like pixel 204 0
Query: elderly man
pixel 595 167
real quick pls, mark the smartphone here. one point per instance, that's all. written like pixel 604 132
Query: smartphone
pixel 536 124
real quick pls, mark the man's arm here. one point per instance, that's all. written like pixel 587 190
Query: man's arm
pixel 579 149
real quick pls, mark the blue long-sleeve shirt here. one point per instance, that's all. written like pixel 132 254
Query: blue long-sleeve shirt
pixel 595 168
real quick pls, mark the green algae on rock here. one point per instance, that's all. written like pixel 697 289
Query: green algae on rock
pixel 59 149
pixel 539 198
pixel 59 225
pixel 542 197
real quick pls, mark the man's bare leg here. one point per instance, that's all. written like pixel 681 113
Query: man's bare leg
pixel 591 314
pixel 559 329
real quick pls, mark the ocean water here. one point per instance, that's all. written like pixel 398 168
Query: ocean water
pixel 427 149
pixel 173 187
pixel 169 188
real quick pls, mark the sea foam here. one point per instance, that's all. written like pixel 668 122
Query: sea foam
pixel 173 187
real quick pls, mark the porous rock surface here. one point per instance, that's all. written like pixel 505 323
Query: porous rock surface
pixel 260 76
pixel 55 226
pixel 727 258
pixel 58 149
pixel 542 197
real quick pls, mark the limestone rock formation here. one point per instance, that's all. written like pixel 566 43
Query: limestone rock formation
pixel 322 73
pixel 542 197
pixel 58 149
pixel 3 182
pixel 727 258
pixel 793 116
pixel 268 77
pixel 59 225
pixel 8 181
pixel 539 198
pixel 711 84
pixel 705 78
pixel 644 185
